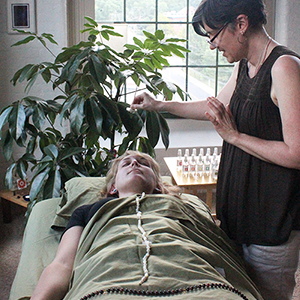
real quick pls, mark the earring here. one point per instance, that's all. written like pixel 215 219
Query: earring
pixel 114 191
pixel 157 190
pixel 245 39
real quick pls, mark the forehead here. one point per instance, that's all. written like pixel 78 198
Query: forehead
pixel 208 30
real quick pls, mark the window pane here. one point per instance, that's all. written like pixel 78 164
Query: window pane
pixel 174 31
pixel 200 52
pixel 223 76
pixel 172 11
pixel 140 10
pixel 176 76
pixel 193 6
pixel 109 11
pixel 201 83
pixel 136 30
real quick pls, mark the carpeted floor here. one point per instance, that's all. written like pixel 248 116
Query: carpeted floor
pixel 10 250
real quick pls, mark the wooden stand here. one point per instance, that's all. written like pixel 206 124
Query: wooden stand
pixel 8 197
pixel 192 185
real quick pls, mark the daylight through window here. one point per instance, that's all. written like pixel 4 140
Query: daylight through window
pixel 202 73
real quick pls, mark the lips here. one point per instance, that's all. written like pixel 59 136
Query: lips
pixel 135 170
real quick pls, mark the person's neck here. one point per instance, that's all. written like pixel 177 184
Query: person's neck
pixel 129 193
pixel 260 47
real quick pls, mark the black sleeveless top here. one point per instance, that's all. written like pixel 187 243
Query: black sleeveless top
pixel 257 202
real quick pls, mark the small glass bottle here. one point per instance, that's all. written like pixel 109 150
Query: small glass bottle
pixel 194 151
pixel 200 163
pixel 179 160
pixel 207 163
pixel 215 168
pixel 185 166
pixel 193 165
pixel 187 152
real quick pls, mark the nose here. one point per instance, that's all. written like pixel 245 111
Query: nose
pixel 134 162
pixel 212 46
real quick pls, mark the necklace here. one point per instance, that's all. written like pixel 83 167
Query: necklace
pixel 263 56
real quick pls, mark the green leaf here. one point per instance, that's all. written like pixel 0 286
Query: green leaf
pixel 7 145
pixel 164 129
pixel 148 62
pixel 17 120
pixel 152 128
pixel 24 41
pixel 21 74
pixel 52 185
pixel 132 47
pixel 94 116
pixel 138 42
pixel 64 113
pixel 51 151
pixel 113 33
pixel 9 176
pixel 46 74
pixel 66 55
pixel 160 34
pixel 105 35
pixel 37 183
pixel 171 86
pixel 97 68
pixel 31 82
pixel 38 116
pixel 133 123
pixel 49 37
pixel 175 40
pixel 110 107
pixel 68 152
pixel 21 168
pixel 76 115
pixel 150 35
pixel 175 50
pixel 162 60
pixel 92 21
pixel 4 117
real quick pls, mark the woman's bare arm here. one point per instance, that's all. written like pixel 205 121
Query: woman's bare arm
pixel 190 109
pixel 285 93
pixel 54 281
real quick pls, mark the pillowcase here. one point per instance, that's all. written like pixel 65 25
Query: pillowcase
pixel 78 191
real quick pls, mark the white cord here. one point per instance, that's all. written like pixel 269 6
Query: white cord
pixel 145 239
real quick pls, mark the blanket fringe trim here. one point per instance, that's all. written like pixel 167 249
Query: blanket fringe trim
pixel 163 293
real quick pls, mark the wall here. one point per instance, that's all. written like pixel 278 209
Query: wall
pixel 287 23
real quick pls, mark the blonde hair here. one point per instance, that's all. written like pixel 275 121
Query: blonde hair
pixel 161 187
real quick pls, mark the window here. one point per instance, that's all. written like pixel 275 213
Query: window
pixel 203 72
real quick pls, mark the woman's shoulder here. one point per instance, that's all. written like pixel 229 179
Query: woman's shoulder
pixel 287 63
pixel 280 50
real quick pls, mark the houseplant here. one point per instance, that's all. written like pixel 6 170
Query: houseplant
pixel 90 77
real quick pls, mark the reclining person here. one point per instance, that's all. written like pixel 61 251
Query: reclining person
pixel 143 238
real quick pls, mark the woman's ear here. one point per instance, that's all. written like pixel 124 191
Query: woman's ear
pixel 113 190
pixel 242 23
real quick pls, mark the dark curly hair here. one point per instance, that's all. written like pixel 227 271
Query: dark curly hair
pixel 216 13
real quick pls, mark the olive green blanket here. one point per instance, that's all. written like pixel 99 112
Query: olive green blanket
pixel 189 255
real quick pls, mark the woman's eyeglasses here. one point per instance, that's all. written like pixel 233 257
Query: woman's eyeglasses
pixel 211 41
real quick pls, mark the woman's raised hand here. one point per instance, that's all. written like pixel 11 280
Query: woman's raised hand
pixel 146 102
pixel 222 119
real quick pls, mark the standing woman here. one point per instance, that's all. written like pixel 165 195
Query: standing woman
pixel 258 116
